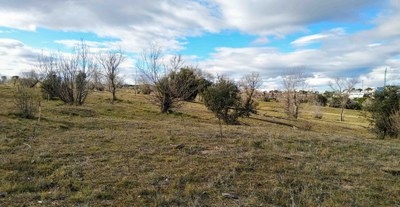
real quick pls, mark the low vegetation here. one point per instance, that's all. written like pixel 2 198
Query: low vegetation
pixel 130 154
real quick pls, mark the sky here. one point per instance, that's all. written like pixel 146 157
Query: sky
pixel 325 39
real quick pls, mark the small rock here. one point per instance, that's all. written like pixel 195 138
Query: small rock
pixel 3 194
pixel 40 202
pixel 229 195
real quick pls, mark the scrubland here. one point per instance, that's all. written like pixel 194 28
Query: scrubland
pixel 128 154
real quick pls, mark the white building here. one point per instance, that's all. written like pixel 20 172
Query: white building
pixel 356 94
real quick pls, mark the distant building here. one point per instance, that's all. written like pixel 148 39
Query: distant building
pixel 356 94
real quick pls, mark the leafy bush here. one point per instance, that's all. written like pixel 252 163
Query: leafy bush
pixel 394 119
pixel 383 106
pixel 334 102
pixel 223 99
pixel 353 104
pixel 321 100
pixel 188 76
pixel 51 85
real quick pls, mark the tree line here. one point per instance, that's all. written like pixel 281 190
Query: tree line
pixel 170 82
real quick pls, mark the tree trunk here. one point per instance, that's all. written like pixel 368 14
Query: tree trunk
pixel 113 95
pixel 295 106
pixel 342 114
pixel 165 105
pixel 220 127
pixel 113 90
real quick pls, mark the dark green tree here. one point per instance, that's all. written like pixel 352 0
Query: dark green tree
pixel 51 85
pixel 223 99
pixel 321 100
pixel 384 104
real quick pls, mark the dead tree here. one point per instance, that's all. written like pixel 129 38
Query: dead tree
pixel 97 80
pixel 293 81
pixel 250 83
pixel 342 88
pixel 30 79
pixel 110 63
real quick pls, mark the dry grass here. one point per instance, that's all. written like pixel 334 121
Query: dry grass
pixel 125 155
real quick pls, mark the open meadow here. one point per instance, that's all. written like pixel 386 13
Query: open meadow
pixel 129 154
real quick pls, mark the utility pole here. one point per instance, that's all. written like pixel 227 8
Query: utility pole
pixel 362 85
pixel 384 82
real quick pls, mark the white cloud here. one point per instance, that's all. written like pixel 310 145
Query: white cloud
pixel 310 39
pixel 16 57
pixel 306 40
pixel 275 17
pixel 322 64
pixel 135 23
pixel 260 41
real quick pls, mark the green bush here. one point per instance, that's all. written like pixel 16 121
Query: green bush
pixel 334 102
pixel 384 104
pixel 353 104
pixel 321 100
pixel 51 85
pixel 223 99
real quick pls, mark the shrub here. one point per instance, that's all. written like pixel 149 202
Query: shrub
pixel 353 104
pixel 26 102
pixel 394 120
pixel 145 89
pixel 321 100
pixel 305 125
pixel 317 112
pixel 361 100
pixel 334 102
pixel 223 99
pixel 383 106
pixel 51 85
pixel 189 79
pixel 67 77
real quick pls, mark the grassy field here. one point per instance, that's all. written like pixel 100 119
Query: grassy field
pixel 127 154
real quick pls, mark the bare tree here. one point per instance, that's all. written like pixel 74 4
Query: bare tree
pixel 51 83
pixel 68 75
pixel 342 88
pixel 293 81
pixel 25 102
pixel 170 88
pixel 110 62
pixel 46 63
pixel 250 83
pixel 97 80
pixel 30 78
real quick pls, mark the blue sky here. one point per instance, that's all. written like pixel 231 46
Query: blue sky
pixel 326 39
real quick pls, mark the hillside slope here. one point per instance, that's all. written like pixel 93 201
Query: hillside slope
pixel 128 154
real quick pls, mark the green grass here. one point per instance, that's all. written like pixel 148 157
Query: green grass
pixel 125 155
